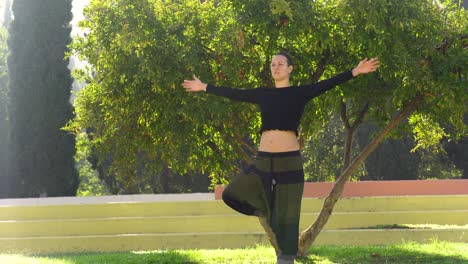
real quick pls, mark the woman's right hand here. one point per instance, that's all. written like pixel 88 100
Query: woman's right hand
pixel 194 85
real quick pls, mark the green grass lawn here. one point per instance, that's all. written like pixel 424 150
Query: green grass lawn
pixel 410 253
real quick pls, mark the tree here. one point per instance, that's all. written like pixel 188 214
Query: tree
pixel 230 43
pixel 90 184
pixel 40 83
pixel 392 160
pixel 323 152
pixel 4 124
pixel 430 76
pixel 148 132
pixel 139 53
pixel 458 155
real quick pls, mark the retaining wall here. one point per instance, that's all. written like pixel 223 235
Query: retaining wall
pixel 150 222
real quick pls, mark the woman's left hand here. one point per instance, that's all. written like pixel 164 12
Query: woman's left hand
pixel 366 66
pixel 194 85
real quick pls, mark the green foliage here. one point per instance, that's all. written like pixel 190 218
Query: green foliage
pixel 282 8
pixel 139 52
pixel 323 153
pixel 456 151
pixel 392 160
pixel 427 133
pixel 90 184
pixel 39 87
pixel 436 164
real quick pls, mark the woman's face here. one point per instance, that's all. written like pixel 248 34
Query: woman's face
pixel 280 69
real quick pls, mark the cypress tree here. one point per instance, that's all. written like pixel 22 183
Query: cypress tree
pixel 40 84
pixel 4 128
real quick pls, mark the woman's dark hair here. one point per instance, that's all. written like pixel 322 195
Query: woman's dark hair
pixel 288 57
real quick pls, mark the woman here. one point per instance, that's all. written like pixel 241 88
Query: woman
pixel 272 187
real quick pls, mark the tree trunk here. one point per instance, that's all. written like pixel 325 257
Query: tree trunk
pixel 350 130
pixel 308 236
pixel 349 135
pixel 165 175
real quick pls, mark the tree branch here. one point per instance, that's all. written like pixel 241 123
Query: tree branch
pixel 320 67
pixel 252 150
pixel 344 115
pixel 247 156
pixel 308 236
pixel 360 117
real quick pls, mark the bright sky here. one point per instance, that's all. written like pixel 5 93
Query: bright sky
pixel 77 16
pixel 77 7
pixel 2 10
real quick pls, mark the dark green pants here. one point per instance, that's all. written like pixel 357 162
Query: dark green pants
pixel 272 187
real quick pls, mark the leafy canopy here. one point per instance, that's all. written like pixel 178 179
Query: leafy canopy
pixel 140 51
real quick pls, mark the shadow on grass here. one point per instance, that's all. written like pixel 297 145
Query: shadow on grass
pixel 398 254
pixel 153 257
pixel 408 253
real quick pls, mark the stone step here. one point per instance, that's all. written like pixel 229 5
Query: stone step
pixel 215 223
pixel 139 242
pixel 123 208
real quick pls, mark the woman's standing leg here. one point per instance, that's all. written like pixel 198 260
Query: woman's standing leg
pixel 286 206
pixel 283 181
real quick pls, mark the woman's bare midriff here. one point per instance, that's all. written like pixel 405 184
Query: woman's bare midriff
pixel 278 141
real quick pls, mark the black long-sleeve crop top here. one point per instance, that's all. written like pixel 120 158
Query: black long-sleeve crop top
pixel 281 108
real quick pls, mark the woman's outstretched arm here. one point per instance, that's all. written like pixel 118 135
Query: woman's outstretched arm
pixel 365 66
pixel 243 95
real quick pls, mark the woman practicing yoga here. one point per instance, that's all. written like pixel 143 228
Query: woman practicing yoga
pixel 272 187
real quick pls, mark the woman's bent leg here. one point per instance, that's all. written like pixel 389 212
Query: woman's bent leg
pixel 246 194
pixel 272 189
